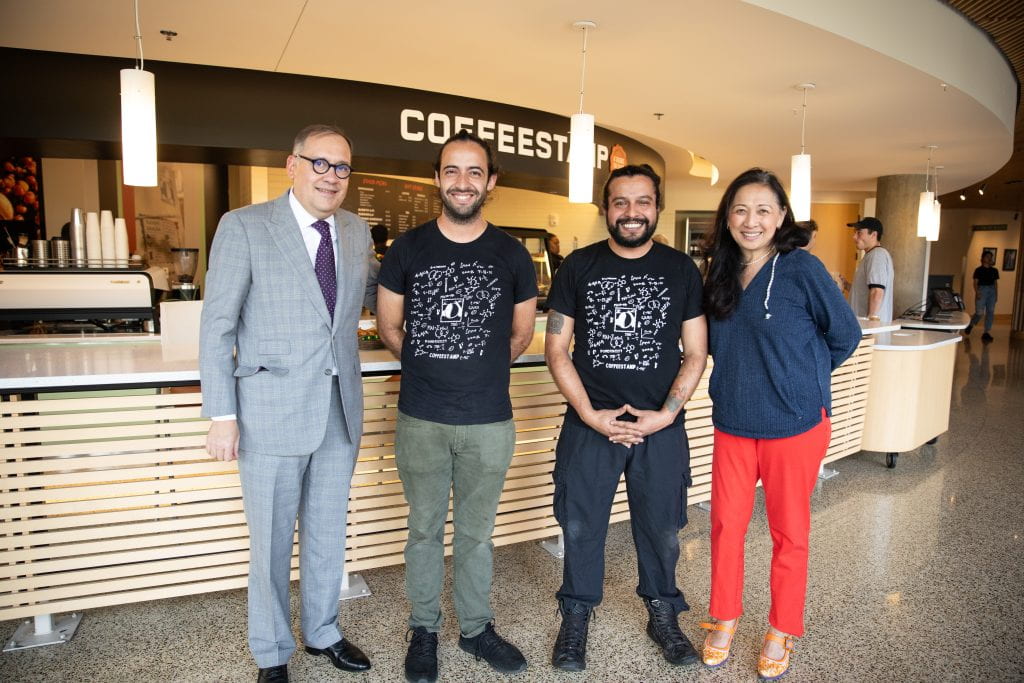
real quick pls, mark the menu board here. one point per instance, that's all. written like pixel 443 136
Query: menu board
pixel 399 204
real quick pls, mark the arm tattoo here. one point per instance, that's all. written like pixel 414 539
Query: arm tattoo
pixel 555 322
pixel 672 403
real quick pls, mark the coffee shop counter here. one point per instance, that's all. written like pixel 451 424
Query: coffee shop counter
pixel 110 498
pixel 910 391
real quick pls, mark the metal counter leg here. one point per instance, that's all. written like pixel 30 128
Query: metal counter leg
pixel 45 629
pixel 353 586
pixel 555 546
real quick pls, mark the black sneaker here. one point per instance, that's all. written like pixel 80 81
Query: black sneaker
pixel 986 337
pixel 487 645
pixel 967 330
pixel 570 651
pixel 663 628
pixel 421 659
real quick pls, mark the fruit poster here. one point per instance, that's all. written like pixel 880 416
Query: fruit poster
pixel 21 191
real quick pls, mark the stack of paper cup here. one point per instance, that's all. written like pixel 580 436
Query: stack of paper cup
pixel 107 238
pixel 121 242
pixel 93 245
pixel 77 238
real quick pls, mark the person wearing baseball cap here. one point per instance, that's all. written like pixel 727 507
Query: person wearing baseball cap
pixel 871 290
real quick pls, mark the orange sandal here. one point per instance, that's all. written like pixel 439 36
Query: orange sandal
pixel 769 669
pixel 712 655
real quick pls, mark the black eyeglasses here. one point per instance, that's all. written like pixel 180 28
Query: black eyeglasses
pixel 321 166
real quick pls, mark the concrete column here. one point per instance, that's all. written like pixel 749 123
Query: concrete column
pixel 898 197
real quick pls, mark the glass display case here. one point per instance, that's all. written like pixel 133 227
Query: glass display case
pixel 534 241
pixel 692 227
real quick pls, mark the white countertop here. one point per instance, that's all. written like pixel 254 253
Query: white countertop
pixel 51 361
pixel 876 326
pixel 913 340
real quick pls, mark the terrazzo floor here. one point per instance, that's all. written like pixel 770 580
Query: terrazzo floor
pixel 917 573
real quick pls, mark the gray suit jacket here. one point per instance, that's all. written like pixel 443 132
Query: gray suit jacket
pixel 263 300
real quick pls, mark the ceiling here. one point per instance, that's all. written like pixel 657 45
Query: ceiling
pixel 721 74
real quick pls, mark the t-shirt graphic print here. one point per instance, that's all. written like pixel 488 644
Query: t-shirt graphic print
pixel 624 316
pixel 449 310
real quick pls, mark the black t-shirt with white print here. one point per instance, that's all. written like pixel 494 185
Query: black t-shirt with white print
pixel 628 316
pixel 459 301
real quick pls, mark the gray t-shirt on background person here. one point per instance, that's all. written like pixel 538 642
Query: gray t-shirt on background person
pixel 874 270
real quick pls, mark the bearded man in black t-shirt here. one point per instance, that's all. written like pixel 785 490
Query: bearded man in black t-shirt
pixel 457 302
pixel 628 301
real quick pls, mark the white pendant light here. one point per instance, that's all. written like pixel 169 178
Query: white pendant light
pixel 926 201
pixel 933 231
pixel 581 139
pixel 800 169
pixel 138 120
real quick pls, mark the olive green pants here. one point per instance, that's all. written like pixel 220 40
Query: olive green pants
pixel 468 463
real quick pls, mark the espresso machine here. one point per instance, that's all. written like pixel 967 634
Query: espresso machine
pixel 79 301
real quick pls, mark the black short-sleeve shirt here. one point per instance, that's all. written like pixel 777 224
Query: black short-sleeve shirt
pixel 628 316
pixel 986 276
pixel 459 301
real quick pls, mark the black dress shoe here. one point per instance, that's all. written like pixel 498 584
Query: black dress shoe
pixel 343 655
pixel 273 674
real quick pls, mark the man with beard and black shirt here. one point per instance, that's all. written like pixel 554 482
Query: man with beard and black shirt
pixel 628 301
pixel 457 303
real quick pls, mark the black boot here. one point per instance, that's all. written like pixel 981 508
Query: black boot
pixel 663 628
pixel 570 651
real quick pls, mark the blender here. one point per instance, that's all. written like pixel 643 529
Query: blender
pixel 185 260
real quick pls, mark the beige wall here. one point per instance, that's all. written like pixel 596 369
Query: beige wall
pixel 958 251
pixel 834 244
pixel 69 184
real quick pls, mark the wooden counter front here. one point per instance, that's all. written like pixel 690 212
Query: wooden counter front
pixel 112 499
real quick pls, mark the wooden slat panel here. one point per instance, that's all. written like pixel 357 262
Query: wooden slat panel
pixel 62 419
pixel 129 402
pixel 103 462
pixel 110 520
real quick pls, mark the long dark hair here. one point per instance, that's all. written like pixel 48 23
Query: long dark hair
pixel 722 258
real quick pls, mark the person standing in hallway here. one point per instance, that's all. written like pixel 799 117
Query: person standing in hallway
pixel 279 368
pixel 457 304
pixel 778 327
pixel 871 292
pixel 986 290
pixel 628 302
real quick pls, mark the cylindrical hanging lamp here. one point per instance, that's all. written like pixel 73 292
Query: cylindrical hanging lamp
pixel 800 169
pixel 926 200
pixel 138 119
pixel 581 159
pixel 800 187
pixel 581 138
pixel 138 127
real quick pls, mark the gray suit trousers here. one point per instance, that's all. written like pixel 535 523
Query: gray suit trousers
pixel 276 489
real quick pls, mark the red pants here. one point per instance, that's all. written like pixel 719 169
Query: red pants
pixel 788 469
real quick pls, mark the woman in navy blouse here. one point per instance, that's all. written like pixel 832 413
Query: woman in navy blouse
pixel 778 327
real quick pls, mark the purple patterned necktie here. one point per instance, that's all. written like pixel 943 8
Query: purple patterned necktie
pixel 326 273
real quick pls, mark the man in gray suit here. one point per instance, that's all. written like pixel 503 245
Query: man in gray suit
pixel 285 287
